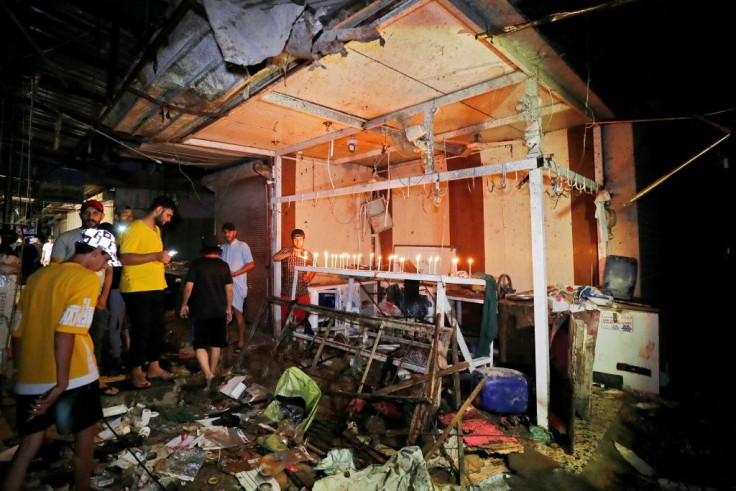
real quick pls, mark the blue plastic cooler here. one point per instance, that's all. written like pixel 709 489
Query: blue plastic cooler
pixel 506 390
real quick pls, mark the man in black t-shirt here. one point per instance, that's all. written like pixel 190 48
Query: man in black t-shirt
pixel 207 299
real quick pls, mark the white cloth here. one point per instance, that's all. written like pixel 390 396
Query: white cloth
pixel 237 254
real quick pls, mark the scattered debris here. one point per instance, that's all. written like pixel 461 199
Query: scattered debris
pixel 636 462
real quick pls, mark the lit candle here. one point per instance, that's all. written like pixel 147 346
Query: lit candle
pixel 316 258
pixel 417 263
pixel 360 261
pixel 355 264
pixel 370 263
pixel 379 264
pixel 334 260
pixel 403 262
pixel 390 260
pixel 454 265
pixel 327 264
pixel 434 268
pixel 470 267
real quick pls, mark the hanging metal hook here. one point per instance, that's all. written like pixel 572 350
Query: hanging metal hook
pixel 493 184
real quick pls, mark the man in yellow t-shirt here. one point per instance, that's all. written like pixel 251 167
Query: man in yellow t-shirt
pixel 57 379
pixel 142 285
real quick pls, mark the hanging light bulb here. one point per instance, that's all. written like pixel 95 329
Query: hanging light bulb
pixel 352 144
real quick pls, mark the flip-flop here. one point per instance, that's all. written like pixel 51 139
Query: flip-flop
pixel 237 351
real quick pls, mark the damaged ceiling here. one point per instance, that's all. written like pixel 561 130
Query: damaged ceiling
pixel 116 93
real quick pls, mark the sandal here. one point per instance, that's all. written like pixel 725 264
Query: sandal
pixel 109 390
pixel 236 351
pixel 164 376
pixel 140 385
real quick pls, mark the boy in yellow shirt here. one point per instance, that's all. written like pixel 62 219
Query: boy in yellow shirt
pixel 57 380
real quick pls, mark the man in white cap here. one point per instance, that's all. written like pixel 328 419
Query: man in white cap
pixel 92 213
pixel 57 378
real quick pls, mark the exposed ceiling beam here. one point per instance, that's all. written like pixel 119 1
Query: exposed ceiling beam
pixel 229 146
pixel 481 88
pixel 312 108
pixel 509 120
pixel 316 141
pixel 421 179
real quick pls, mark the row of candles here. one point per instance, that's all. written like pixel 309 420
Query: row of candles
pixel 396 264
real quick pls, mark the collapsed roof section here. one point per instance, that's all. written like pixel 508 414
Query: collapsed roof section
pixel 331 79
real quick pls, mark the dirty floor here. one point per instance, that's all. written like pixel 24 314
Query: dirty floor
pixel 631 440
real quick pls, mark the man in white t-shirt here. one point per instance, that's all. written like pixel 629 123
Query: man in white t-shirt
pixel 238 257
pixel 46 251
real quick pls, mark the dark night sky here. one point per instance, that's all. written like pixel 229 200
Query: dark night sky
pixel 660 59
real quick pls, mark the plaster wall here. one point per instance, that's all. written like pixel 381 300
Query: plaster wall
pixel 419 218
pixel 508 221
pixel 618 159
pixel 336 224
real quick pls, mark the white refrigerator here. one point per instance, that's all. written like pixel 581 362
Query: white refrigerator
pixel 627 345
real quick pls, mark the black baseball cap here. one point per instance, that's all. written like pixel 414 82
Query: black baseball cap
pixel 210 243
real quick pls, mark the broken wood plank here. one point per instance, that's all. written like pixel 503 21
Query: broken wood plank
pixel 458 397
pixel 322 343
pixel 377 456
pixel 370 358
pixel 454 421
pixel 387 397
pixel 420 412
pixel 456 368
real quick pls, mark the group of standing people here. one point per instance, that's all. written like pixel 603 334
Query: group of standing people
pixel 56 336
pixel 63 316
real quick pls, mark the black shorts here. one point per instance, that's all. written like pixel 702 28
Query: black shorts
pixel 209 333
pixel 73 411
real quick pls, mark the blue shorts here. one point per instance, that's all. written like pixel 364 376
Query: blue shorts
pixel 73 411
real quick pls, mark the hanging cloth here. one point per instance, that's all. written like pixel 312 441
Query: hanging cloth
pixel 489 319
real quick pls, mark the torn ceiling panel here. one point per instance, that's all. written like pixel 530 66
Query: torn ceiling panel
pixel 429 59
pixel 249 33
pixel 184 76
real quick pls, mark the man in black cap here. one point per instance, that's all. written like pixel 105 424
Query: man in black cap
pixel 207 299
pixel 291 256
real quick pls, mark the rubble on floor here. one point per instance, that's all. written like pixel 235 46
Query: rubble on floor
pixel 275 424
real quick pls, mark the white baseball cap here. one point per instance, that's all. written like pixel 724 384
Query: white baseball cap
pixel 101 239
